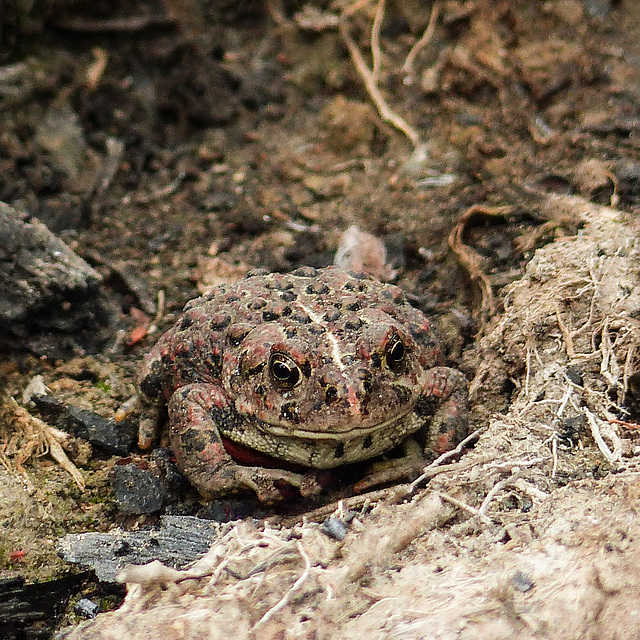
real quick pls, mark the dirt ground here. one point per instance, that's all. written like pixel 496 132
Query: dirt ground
pixel 493 148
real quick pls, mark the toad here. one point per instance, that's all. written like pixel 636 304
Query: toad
pixel 276 376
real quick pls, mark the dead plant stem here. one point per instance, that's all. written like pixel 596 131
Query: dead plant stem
pixel 385 112
pixel 407 67
pixel 376 52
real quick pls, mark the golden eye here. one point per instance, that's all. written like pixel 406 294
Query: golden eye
pixel 394 353
pixel 284 371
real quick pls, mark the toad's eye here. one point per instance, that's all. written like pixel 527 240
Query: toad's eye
pixel 394 353
pixel 284 371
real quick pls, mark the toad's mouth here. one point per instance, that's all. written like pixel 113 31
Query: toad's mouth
pixel 334 433
pixel 274 446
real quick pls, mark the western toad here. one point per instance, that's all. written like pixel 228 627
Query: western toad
pixel 277 375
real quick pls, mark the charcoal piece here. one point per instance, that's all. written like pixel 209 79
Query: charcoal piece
pixel 178 541
pixel 104 433
pixel 138 487
pixel 32 610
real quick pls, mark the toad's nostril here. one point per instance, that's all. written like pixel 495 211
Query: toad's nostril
pixel 331 394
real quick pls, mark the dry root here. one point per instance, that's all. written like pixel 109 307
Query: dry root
pixel 27 436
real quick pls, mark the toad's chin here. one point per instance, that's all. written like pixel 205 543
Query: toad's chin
pixel 321 449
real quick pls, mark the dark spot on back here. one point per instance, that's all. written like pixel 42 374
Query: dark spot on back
pixel 270 315
pixel 289 296
pixel 237 334
pixel 257 303
pixel 353 325
pixel 367 442
pixel 317 288
pixel 317 330
pixel 214 362
pixel 305 272
pixel 331 394
pixel 219 321
pixel 185 323
pixel 332 316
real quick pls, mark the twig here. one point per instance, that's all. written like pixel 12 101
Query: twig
pixel 465 507
pixel 426 36
pixel 355 7
pixel 385 112
pixel 427 472
pixel 470 259
pixel 127 24
pixel 611 456
pixel 165 191
pixel 530 489
pixel 287 596
pixel 160 309
pixel 497 487
pixel 375 41
pixel 627 372
pixel 566 334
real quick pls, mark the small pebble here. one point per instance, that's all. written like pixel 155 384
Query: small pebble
pixel 334 528
pixel 522 582
pixel 86 608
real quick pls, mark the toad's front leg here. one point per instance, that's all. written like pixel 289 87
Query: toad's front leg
pixel 197 415
pixel 447 388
